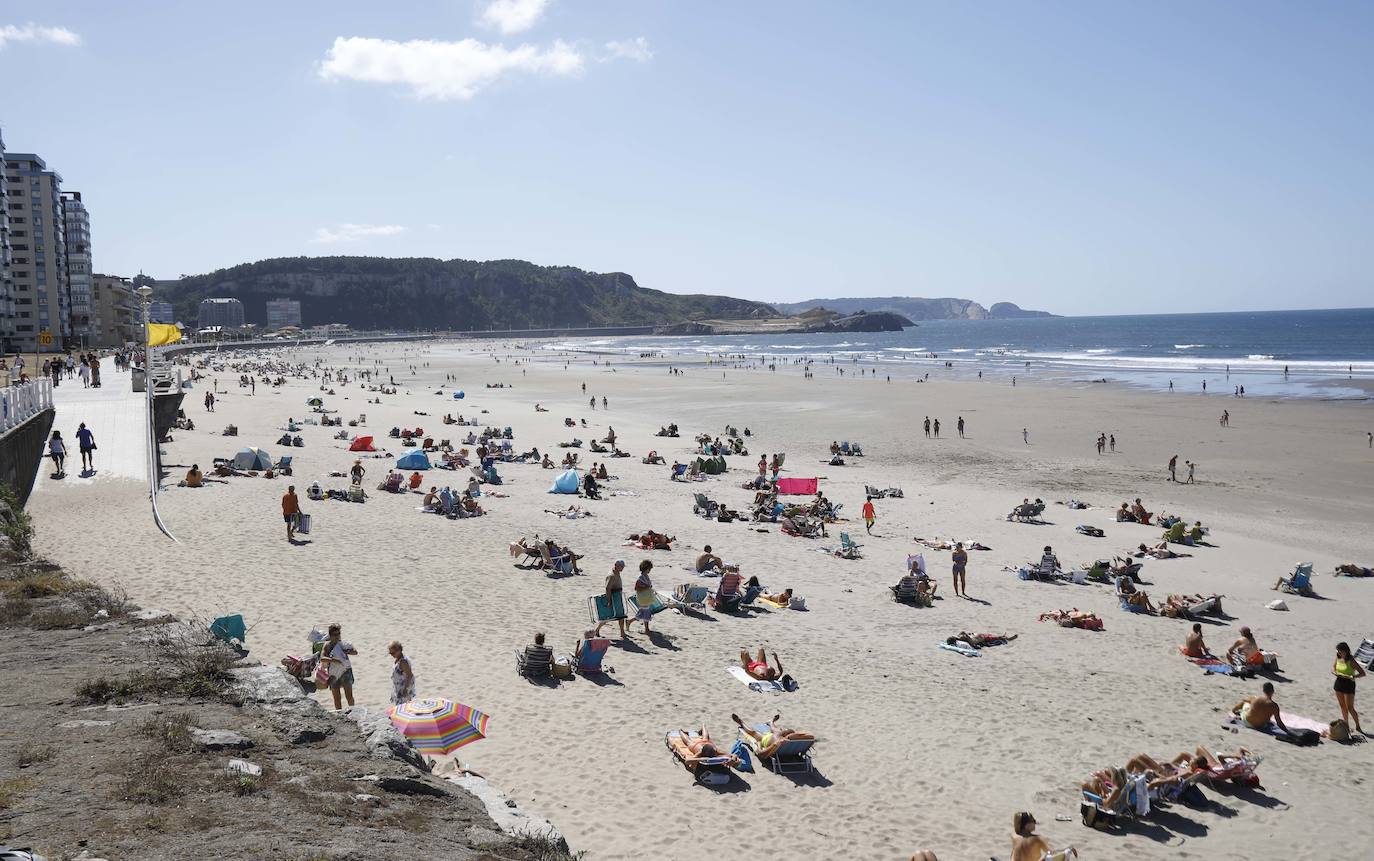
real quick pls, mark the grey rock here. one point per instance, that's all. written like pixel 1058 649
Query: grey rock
pixel 243 766
pixel 505 812
pixel 365 798
pixel 84 724
pixel 263 684
pixel 220 739
pixel 417 785
pixel 384 741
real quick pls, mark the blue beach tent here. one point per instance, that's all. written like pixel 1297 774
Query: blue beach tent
pixel 567 482
pixel 413 460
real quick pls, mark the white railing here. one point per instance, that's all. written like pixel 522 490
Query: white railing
pixel 21 402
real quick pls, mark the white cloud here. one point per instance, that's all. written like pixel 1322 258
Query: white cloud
pixel 442 70
pixel 354 232
pixel 512 16
pixel 636 49
pixel 36 33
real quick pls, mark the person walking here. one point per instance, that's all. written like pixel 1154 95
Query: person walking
pixel 1173 468
pixel 960 425
pixel 960 559
pixel 1101 443
pixel 1111 442
pixel 1025 436
pixel 402 675
pixel 209 402
pixel 290 511
pixel 85 441
pixel 85 373
pixel 869 514
pixel 644 594
pixel 927 424
pixel 936 426
pixel 615 598
pixel 334 653
pixel 57 450
pixel 1191 466
pixel 1346 670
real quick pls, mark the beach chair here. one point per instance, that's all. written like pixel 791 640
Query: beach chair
pixel 906 592
pixel 709 771
pixel 1240 770
pixel 535 662
pixel 560 564
pixel 688 599
pixel 283 466
pixel 870 490
pixel 654 608
pixel 393 483
pixel 1095 811
pixel 793 756
pixel 606 608
pixel 355 493
pixel 593 652
pixel 1299 582
pixel 705 507
pixel 849 549
pixel 1028 512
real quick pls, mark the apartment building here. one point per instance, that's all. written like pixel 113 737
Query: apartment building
pixel 282 313
pixel 33 203
pixel 226 313
pixel 82 312
pixel 7 318
pixel 118 310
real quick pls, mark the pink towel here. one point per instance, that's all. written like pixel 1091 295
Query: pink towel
pixel 798 486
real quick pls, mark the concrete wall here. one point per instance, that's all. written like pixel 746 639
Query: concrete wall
pixel 22 451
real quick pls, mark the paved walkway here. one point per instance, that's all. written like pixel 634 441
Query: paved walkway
pixel 115 414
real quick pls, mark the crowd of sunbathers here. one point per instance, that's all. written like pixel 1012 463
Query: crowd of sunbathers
pixel 545 554
pixel 1131 789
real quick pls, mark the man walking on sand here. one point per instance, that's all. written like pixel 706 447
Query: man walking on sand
pixel 209 402
pixel 290 510
pixel 1025 436
pixel 869 515
pixel 1173 468
pixel 961 425
pixel 1191 466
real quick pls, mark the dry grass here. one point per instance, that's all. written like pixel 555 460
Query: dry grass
pixel 31 753
pixel 171 732
pixel 148 779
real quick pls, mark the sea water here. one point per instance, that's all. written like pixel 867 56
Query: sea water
pixel 1326 354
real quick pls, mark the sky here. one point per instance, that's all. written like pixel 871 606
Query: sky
pixel 1082 158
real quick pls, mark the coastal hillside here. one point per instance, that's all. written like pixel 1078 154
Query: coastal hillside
pixel 427 293
pixel 913 307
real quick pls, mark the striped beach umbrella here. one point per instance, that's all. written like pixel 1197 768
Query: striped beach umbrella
pixel 438 726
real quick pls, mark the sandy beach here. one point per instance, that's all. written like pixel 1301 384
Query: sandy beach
pixel 919 747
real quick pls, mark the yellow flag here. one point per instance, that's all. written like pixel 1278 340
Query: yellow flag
pixel 162 333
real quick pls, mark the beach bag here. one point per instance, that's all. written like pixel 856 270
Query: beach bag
pixel 797 603
pixel 322 674
pixel 1340 730
pixel 563 668
pixel 303 524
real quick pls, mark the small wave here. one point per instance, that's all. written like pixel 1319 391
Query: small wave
pixel 1188 346
pixel 1099 351
pixel 1260 356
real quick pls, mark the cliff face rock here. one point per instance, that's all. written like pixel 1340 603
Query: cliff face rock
pixel 1012 311
pixel 421 293
pixel 880 321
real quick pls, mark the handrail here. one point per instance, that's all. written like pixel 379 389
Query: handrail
pixel 23 401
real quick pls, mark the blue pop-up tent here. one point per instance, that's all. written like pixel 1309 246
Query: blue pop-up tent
pixel 458 396
pixel 252 457
pixel 568 482
pixel 413 460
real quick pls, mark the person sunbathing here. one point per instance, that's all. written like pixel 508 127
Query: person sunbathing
pixel 1162 550
pixel 1350 569
pixel 758 667
pixel 701 746
pixel 546 463
pixel 432 498
pixel 194 477
pixel 979 641
pixel 709 561
pixel 1074 618
pixel 771 740
pixel 470 506
pixel 1124 515
pixel 1245 651
pixel 1193 645
pixel 784 597
pixel 1219 761
pixel 1180 606
pixel 1026 845
pixel 1126 591
pixel 1258 711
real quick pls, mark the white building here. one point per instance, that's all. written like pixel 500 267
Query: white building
pixel 38 254
pixel 82 309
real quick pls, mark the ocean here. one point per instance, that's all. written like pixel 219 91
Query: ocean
pixel 1326 354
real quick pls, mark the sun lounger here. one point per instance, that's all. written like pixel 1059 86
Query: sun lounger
pixel 711 771
pixel 849 548
pixel 606 608
pixel 655 608
pixel 1299 582
pixel 1027 512
pixel 963 650
pixel 1365 654
pixel 535 662
pixel 793 756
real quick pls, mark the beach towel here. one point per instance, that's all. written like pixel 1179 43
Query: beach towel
pixel 770 687
pixel 1297 723
pixel 963 650
pixel 774 604
pixel 1213 665
pixel 798 486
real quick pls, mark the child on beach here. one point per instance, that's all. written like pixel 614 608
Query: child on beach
pixel 869 515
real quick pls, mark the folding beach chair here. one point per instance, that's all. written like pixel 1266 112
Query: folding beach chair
pixel 793 756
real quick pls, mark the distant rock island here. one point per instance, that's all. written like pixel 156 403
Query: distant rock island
pixel 915 308
pixel 811 320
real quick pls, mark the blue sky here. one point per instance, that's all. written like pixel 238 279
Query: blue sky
pixel 1077 157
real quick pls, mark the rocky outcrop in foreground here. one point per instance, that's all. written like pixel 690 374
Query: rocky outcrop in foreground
pixel 130 734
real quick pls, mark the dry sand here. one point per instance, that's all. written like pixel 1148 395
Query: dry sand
pixel 920 748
